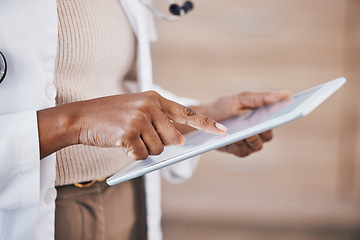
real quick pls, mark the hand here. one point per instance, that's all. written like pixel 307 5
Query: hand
pixel 249 145
pixel 230 106
pixel 139 123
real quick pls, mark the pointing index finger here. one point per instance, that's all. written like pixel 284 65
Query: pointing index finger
pixel 185 115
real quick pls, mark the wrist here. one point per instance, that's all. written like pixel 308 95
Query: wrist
pixel 68 124
pixel 57 128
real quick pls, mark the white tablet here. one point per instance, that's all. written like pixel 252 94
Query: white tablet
pixel 240 127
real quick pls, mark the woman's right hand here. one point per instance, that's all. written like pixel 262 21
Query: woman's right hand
pixel 140 123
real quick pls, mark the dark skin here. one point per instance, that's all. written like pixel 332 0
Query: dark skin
pixel 143 123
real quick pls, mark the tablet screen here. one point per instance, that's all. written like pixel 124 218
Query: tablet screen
pixel 236 125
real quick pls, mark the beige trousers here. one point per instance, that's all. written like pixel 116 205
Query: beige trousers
pixel 101 212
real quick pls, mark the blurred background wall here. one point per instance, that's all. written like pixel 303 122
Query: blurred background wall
pixel 305 184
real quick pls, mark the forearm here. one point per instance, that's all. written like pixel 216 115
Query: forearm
pixel 139 123
pixel 56 128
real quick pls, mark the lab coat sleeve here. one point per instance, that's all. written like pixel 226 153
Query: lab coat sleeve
pixel 19 161
pixel 179 172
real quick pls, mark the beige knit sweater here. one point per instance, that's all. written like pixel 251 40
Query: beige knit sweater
pixel 96 48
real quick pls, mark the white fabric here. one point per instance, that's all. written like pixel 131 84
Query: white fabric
pixel 175 174
pixel 143 25
pixel 142 22
pixel 20 169
pixel 28 38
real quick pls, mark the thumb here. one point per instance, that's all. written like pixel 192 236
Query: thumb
pixel 250 100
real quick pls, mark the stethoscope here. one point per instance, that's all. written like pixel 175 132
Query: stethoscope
pixel 3 67
pixel 176 10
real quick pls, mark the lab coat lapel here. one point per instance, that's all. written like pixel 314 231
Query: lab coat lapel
pixel 142 23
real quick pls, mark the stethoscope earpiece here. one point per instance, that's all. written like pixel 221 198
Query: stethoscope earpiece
pixel 3 67
pixel 188 6
pixel 175 9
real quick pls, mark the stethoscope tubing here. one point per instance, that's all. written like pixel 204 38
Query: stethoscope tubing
pixel 159 14
pixel 176 10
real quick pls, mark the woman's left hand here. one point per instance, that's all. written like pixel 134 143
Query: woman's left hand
pixel 230 106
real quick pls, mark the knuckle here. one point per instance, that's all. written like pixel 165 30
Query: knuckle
pixel 146 104
pixel 130 135
pixel 152 94
pixel 138 119
pixel 253 140
pixel 268 96
pixel 241 149
pixel 141 117
pixel 244 94
pixel 189 112
pixel 241 98
pixel 206 120
pixel 202 120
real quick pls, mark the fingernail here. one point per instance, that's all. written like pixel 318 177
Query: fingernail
pixel 221 127
pixel 182 141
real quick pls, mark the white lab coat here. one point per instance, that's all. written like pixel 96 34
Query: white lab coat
pixel 28 39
